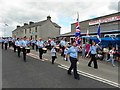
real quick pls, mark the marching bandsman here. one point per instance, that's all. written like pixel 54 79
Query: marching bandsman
pixel 13 42
pixel 6 43
pixel 10 41
pixel 17 44
pixel 62 44
pixel 73 54
pixel 53 43
pixel 40 45
pixel 2 42
pixel 36 45
pixel 33 43
pixel 24 45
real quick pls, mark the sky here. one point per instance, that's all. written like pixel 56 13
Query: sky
pixel 64 13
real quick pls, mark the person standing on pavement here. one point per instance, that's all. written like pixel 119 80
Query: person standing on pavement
pixel 73 54
pixel 6 43
pixel 53 54
pixel 87 46
pixel 62 44
pixel 112 52
pixel 93 51
pixel 40 45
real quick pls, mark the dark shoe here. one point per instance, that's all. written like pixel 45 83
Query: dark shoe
pixel 95 68
pixel 78 78
pixel 69 73
pixel 89 65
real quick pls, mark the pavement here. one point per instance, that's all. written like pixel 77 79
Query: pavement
pixel 42 74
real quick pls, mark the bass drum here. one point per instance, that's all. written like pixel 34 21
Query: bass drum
pixel 44 50
pixel 27 50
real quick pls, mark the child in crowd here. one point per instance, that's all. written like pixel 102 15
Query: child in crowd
pixel 53 54
pixel 65 53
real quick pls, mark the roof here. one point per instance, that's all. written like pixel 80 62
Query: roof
pixel 37 24
pixel 72 34
pixel 118 13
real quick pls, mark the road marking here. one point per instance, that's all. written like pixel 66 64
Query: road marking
pixel 82 73
pixel 93 76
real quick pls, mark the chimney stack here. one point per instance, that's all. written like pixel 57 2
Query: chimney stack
pixel 18 26
pixel 25 24
pixel 31 22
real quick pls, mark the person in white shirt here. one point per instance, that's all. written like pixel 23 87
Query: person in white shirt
pixel 112 51
pixel 65 53
pixel 53 54
pixel 17 44
pixel 24 45
pixel 40 45
pixel 62 44
pixel 6 43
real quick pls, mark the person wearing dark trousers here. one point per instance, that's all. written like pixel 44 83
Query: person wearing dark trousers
pixel 93 51
pixel 17 44
pixel 40 45
pixel 62 44
pixel 36 45
pixel 6 43
pixel 2 42
pixel 73 54
pixel 24 45
pixel 33 43
pixel 9 39
pixel 53 54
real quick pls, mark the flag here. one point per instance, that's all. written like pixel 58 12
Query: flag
pixel 98 35
pixel 77 33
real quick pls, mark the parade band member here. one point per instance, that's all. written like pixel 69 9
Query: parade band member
pixel 62 44
pixel 73 53
pixel 53 54
pixel 93 51
pixel 33 43
pixel 2 42
pixel 17 44
pixel 40 46
pixel 36 45
pixel 24 45
pixel 6 43
pixel 10 41
pixel 13 41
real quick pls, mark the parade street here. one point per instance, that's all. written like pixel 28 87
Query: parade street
pixel 42 74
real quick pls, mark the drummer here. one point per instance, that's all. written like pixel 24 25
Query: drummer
pixel 53 43
pixel 40 45
pixel 24 45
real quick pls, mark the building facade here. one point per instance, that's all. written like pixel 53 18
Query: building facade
pixel 44 29
pixel 110 25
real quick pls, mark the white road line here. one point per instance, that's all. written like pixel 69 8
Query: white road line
pixel 93 76
pixel 82 73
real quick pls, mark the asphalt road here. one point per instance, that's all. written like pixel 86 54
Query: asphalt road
pixel 37 74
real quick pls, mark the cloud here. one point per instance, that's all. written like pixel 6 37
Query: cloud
pixel 18 12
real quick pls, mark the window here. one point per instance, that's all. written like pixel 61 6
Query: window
pixel 36 29
pixel 30 30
